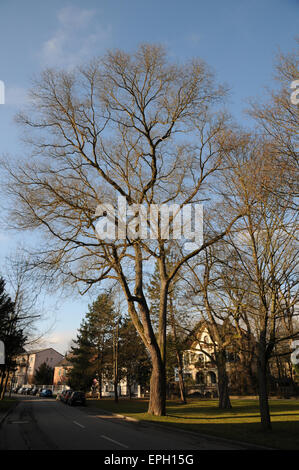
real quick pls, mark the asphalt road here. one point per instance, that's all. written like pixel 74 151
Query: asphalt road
pixel 45 424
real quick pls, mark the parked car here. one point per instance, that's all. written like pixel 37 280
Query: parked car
pixel 34 391
pixel 46 392
pixel 66 395
pixel 76 398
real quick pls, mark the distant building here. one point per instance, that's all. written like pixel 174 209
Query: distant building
pixel 29 362
pixel 60 372
pixel 198 365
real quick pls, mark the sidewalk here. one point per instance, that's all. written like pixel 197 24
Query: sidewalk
pixel 5 410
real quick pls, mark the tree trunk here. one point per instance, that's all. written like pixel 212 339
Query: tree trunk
pixel 2 381
pixel 224 400
pixel 157 403
pixel 100 386
pixel 5 385
pixel 115 391
pixel 115 360
pixel 263 392
pixel 182 385
pixel 178 353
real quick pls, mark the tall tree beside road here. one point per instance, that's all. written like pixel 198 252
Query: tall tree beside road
pixel 177 317
pixel 11 334
pixel 267 250
pixel 130 125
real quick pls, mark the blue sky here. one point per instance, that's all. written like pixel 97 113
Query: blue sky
pixel 237 38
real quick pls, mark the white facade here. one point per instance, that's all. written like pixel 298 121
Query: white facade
pixel 198 365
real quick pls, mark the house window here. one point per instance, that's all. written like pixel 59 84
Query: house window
pixel 211 378
pixel 200 378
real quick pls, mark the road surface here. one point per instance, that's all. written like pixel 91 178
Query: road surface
pixel 46 424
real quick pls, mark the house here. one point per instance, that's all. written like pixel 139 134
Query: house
pixel 28 362
pixel 198 365
pixel 200 371
pixel 123 388
pixel 61 370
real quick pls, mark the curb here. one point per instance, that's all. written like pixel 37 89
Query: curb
pixel 245 445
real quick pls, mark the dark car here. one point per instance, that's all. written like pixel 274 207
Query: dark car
pixel 76 398
pixel 46 392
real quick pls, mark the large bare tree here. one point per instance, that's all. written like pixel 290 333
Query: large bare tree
pixel 130 125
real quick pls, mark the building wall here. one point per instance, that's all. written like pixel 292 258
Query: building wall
pixel 49 356
pixel 60 374
pixel 30 362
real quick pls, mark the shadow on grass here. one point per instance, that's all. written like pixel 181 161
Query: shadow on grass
pixel 284 434
pixel 241 423
pixel 256 415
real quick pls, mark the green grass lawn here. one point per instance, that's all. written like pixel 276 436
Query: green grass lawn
pixel 241 423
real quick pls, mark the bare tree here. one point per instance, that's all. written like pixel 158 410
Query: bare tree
pixel 204 292
pixel 126 125
pixel 278 120
pixel 26 290
pixel 267 250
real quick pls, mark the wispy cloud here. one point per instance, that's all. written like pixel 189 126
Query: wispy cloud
pixel 60 340
pixel 79 36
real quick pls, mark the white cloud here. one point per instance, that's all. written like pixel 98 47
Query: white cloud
pixel 77 37
pixel 59 340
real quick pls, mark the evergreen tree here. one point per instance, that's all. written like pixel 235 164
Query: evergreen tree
pixel 11 334
pixel 93 357
pixel 107 348
pixel 133 357
pixel 44 374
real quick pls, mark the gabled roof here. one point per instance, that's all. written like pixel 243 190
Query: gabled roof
pixel 64 363
pixel 227 327
pixel 36 351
